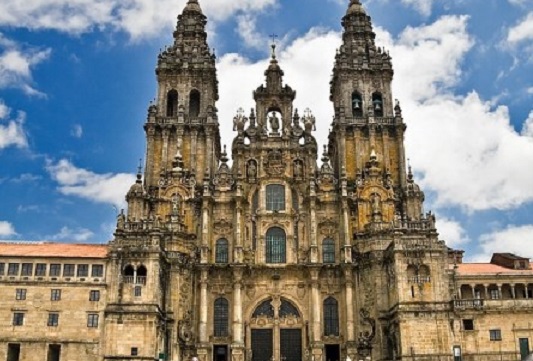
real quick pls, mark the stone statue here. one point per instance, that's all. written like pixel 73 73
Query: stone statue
pixel 252 170
pixel 298 169
pixel 274 122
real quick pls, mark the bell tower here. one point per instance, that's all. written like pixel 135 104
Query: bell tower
pixel 182 127
pixel 367 141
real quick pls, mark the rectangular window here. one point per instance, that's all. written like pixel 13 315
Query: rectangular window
pixel 68 270
pixel 97 270
pixel 92 320
pixel 13 351
pixel 495 335
pixel 83 270
pixel 13 269
pixel 94 295
pixel 20 294
pixel 2 268
pixel 468 325
pixel 27 269
pixel 275 197
pixel 55 295
pixel 40 269
pixel 494 294
pixel 53 319
pixel 138 291
pixel 134 351
pixel 54 353
pixel 55 270
pixel 18 319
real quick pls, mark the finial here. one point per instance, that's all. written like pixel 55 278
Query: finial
pixel 273 46
pixel 373 155
pixel 224 155
pixel 139 171
pixel 410 170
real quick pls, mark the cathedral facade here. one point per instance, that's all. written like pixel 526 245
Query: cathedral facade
pixel 291 253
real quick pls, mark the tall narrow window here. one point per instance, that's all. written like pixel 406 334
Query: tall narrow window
pixel 40 269
pixel 275 245
pixel 97 270
pixel 172 103
pixel 377 104
pixel 13 351
pixel 92 320
pixel 68 270
pixel 221 251
pixel 54 353
pixel 331 317
pixel 275 197
pixel 13 269
pixel 357 104
pixel 20 294
pixel 142 272
pixel 83 270
pixel 55 270
pixel 2 268
pixel 328 251
pixel 221 317
pixel 53 319
pixel 18 319
pixel 194 104
pixel 27 269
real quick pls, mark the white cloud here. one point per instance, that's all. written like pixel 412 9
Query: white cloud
pixel 100 188
pixel 71 235
pixel 523 31
pixel 467 151
pixel 16 62
pixel 422 6
pixel 12 133
pixel 513 239
pixel 247 31
pixel 7 229
pixel 138 18
pixel 527 129
pixel 76 131
pixel 452 232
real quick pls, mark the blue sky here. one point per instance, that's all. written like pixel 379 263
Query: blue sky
pixel 76 79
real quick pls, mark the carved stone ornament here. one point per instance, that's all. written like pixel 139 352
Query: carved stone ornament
pixel 328 227
pixel 274 165
pixel 222 227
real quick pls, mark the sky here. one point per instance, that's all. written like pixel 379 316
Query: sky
pixel 77 76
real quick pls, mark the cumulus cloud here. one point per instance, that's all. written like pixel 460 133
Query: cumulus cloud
pixel 100 188
pixel 7 229
pixel 523 31
pixel 452 232
pixel 513 239
pixel 12 133
pixel 71 235
pixel 138 18
pixel 16 63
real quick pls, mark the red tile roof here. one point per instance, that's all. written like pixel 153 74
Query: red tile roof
pixel 46 249
pixel 476 268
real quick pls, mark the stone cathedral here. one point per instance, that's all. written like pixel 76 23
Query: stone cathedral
pixel 286 253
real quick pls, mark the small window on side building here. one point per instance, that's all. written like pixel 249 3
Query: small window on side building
pixel 495 335
pixel 94 295
pixel 468 325
pixel 20 294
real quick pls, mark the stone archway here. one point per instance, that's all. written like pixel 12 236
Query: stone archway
pixel 276 331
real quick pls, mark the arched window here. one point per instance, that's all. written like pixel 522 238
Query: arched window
pixel 141 275
pixel 221 251
pixel 194 103
pixel 275 245
pixel 275 197
pixel 328 251
pixel 331 317
pixel 377 103
pixel 129 274
pixel 357 104
pixel 172 103
pixel 221 317
pixel 264 309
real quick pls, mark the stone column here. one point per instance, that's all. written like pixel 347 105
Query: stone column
pixel 202 330
pixel 238 339
pixel 500 295
pixel 473 287
pixel 350 325
pixel 526 288
pixel 164 155
pixel 194 141
pixel 513 291
pixel 313 226
pixel 150 161
pixel 316 306
pixel 486 288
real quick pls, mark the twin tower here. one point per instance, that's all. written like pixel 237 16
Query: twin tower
pixel 289 253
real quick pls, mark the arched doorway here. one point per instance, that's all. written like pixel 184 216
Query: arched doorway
pixel 276 331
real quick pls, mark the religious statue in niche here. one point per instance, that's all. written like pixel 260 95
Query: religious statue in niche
pixel 309 121
pixel 298 169
pixel 239 121
pixel 376 207
pixel 251 172
pixel 274 122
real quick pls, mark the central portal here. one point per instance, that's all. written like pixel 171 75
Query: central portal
pixel 276 332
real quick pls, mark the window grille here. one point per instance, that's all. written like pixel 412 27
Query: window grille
pixel 55 270
pixel 275 246
pixel 13 269
pixel 331 317
pixel 287 309
pixel 221 317
pixel 97 270
pixel 221 251
pixel 83 270
pixel 40 269
pixel 27 269
pixel 68 270
pixel 275 197
pixel 264 309
pixel 328 251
